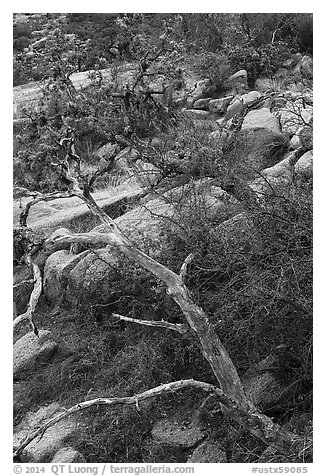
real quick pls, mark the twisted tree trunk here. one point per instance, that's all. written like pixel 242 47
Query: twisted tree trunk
pixel 232 397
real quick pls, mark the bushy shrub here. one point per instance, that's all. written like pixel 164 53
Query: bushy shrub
pixel 254 150
pixel 22 29
pixel 101 113
pixel 21 43
pixel 259 61
pixel 214 66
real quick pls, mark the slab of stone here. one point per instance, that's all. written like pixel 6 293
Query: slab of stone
pixel 304 166
pixel 202 104
pixel 208 452
pixel 240 102
pixel 262 386
pixel 56 271
pixel 293 115
pixel 172 431
pixel 31 350
pixel 261 118
pixel 54 438
pixel 196 113
pixel 219 106
pixel 68 454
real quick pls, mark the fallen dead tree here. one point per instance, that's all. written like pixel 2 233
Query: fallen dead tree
pixel 231 396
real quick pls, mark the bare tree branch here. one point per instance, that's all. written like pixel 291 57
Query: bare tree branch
pixel 39 197
pixel 22 283
pixel 247 419
pixel 101 172
pixel 185 264
pixel 33 300
pixel 154 392
pixel 181 328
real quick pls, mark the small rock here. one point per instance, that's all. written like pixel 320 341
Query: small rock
pixel 263 84
pixel 219 106
pixel 261 385
pixel 295 142
pixel 301 423
pixel 236 107
pixel 202 104
pixel 304 68
pixel 261 118
pixel 56 271
pixel 108 151
pixel 68 455
pixel 31 350
pixel 304 166
pixel 293 61
pixel 238 81
pixel 115 52
pixel 282 172
pixel 208 452
pixel 218 135
pixel 196 113
pixel 250 97
pixel 177 433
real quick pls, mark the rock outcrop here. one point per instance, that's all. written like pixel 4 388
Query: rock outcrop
pixel 55 437
pixel 262 118
pixel 30 351
pixel 176 432
pixel 56 272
